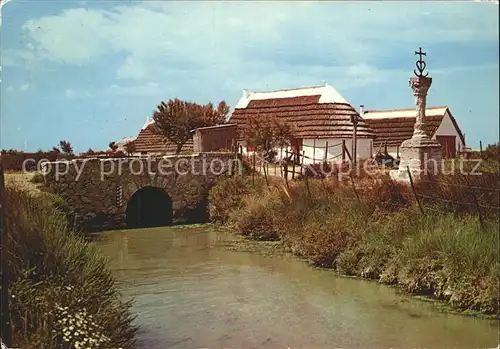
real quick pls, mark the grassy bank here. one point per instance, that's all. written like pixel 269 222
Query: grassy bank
pixel 62 293
pixel 374 229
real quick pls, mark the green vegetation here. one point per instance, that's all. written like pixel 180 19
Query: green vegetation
pixel 37 178
pixel 374 229
pixel 62 293
pixel 175 119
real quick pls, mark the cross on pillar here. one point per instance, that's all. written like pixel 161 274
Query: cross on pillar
pixel 420 63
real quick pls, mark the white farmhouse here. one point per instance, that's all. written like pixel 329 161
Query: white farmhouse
pixel 320 117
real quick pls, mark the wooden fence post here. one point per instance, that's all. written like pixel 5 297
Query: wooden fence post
pixel 355 140
pixel 307 185
pixel 4 293
pixel 286 172
pixel 343 151
pixel 476 203
pixel 265 176
pixel 325 157
pixel 281 161
pixel 414 191
pixel 253 170
pixel 314 150
pixel 302 162
pixel 354 189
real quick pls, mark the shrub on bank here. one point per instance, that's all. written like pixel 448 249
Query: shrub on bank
pixel 373 229
pixel 256 217
pixel 227 196
pixel 37 178
pixel 63 295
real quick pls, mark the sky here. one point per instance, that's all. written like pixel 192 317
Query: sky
pixel 92 72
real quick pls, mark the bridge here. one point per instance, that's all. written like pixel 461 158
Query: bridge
pixel 138 192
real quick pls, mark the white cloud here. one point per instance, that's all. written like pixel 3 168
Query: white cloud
pixel 74 94
pixel 206 33
pixel 172 47
pixel 148 89
pixel 24 87
pixel 20 88
pixel 69 93
pixel 132 68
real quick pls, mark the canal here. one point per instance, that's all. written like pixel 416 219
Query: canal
pixel 191 292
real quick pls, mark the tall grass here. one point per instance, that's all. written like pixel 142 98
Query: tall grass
pixel 62 293
pixel 372 228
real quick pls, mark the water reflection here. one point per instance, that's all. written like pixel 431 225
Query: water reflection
pixel 191 294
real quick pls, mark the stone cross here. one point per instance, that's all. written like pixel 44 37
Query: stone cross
pixel 420 155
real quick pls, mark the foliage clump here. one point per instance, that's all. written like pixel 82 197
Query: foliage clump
pixel 62 293
pixel 175 120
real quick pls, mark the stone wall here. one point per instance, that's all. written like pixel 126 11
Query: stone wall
pixel 99 189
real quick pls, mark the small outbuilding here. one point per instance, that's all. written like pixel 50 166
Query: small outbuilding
pixel 392 127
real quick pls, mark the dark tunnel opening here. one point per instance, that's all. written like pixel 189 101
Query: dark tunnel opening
pixel 149 207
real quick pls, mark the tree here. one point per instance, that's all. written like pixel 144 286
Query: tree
pixel 55 150
pixel 174 120
pixel 113 146
pixel 130 147
pixel 266 134
pixel 66 147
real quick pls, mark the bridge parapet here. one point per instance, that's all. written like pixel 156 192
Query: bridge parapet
pixel 99 189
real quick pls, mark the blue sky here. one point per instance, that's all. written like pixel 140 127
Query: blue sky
pixel 92 72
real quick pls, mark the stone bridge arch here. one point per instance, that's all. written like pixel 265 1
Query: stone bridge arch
pixel 149 207
pixel 99 190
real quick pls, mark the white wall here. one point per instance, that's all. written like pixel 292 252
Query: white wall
pixel 334 154
pixel 448 129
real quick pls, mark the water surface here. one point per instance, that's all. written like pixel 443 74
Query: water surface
pixel 190 293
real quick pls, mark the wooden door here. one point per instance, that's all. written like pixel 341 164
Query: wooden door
pixel 449 145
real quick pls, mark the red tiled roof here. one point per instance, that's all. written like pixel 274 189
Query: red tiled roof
pixel 310 118
pixel 150 142
pixel 396 130
pixel 280 102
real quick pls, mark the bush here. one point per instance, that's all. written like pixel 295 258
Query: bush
pixel 37 178
pixel 63 295
pixel 255 218
pixel 227 196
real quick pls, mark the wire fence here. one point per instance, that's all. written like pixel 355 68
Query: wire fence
pixel 454 193
pixel 292 161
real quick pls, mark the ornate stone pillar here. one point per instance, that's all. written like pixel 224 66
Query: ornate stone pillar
pixel 420 86
pixel 421 154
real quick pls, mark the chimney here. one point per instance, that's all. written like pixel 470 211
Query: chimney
pixel 245 93
pixel 362 110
